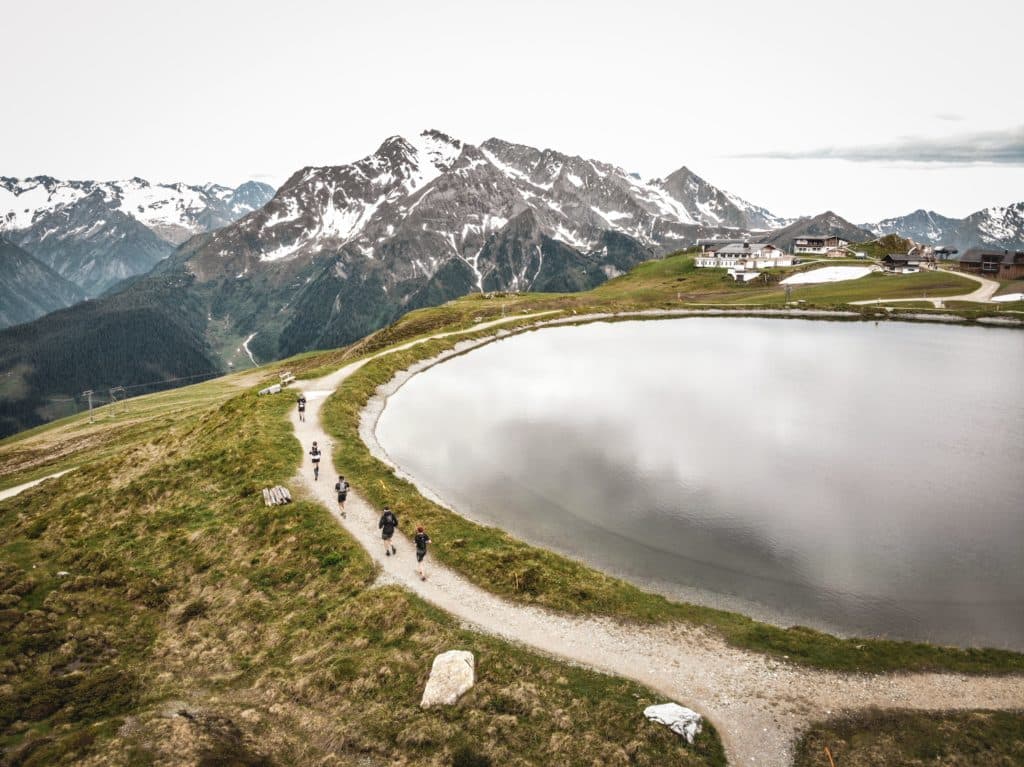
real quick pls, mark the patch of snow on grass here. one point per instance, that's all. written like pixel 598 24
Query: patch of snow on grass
pixel 1009 297
pixel 828 274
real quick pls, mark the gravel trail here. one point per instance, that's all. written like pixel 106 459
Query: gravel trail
pixel 981 295
pixel 19 489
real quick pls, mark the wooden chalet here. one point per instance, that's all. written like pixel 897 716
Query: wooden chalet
pixel 902 262
pixel 994 263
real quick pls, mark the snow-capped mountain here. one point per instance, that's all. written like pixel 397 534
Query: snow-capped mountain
pixel 432 198
pixel 714 206
pixel 428 218
pixel 994 227
pixel 97 233
pixel 174 212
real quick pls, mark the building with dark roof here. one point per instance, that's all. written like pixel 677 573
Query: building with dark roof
pixel 994 263
pixel 823 245
pixel 902 262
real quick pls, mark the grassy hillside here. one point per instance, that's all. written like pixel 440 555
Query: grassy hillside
pixel 883 246
pixel 877 285
pixel 916 739
pixel 154 611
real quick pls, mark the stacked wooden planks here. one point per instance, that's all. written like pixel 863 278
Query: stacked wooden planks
pixel 276 496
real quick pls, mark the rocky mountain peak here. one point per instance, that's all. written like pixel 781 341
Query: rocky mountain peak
pixel 96 233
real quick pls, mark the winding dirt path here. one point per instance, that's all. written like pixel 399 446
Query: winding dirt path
pixel 982 294
pixel 758 704
pixel 19 489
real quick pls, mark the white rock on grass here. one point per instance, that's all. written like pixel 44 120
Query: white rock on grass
pixel 679 719
pixel 451 674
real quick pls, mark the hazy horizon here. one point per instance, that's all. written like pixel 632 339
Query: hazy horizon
pixel 794 109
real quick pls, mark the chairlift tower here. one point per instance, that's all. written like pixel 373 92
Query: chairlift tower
pixel 114 392
pixel 88 393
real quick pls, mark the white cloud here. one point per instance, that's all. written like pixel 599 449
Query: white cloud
pixel 1002 146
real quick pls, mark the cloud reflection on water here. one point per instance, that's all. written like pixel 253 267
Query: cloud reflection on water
pixel 817 469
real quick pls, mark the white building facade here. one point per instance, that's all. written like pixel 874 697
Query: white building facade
pixel 820 246
pixel 747 255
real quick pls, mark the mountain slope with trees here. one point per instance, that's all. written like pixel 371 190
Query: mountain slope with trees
pixel 29 288
pixel 138 338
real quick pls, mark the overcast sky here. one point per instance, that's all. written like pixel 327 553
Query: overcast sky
pixel 871 110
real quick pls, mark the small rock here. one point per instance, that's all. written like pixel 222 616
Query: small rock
pixel 172 708
pixel 679 719
pixel 63 573
pixel 451 674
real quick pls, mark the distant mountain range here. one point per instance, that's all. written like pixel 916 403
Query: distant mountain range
pixel 98 233
pixel 991 227
pixel 340 251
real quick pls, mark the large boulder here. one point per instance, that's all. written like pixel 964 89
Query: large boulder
pixel 679 719
pixel 451 674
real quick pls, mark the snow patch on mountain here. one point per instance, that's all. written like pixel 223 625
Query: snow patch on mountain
pixel 999 227
pixel 173 211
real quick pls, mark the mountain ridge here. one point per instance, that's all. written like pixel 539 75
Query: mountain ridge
pixel 29 288
pixel 823 224
pixel 994 227
pixel 98 233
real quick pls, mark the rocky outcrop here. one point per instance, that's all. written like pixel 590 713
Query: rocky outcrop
pixel 451 675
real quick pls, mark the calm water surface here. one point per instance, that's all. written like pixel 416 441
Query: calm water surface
pixel 860 478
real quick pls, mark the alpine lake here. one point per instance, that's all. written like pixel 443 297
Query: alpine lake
pixel 861 478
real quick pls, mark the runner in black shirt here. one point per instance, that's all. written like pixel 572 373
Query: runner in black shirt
pixel 422 539
pixel 314 453
pixel 341 486
pixel 387 524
